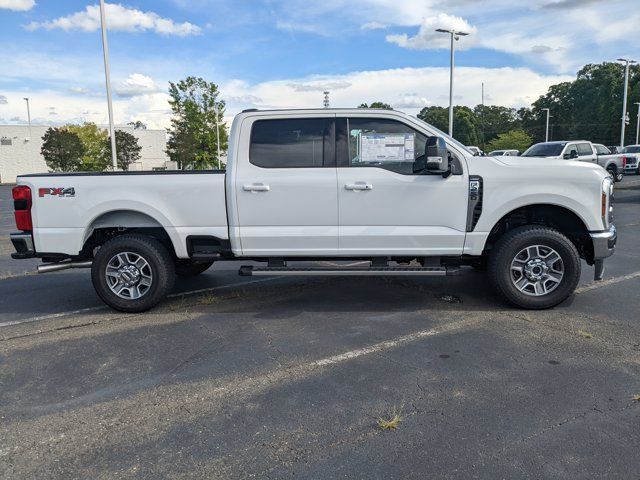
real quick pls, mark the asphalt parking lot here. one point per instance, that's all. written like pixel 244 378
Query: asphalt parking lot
pixel 235 377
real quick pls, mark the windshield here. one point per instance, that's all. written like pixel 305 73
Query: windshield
pixel 544 150
pixel 496 153
pixel 634 149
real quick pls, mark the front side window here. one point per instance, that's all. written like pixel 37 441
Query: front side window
pixel 383 143
pixel 289 143
pixel 584 149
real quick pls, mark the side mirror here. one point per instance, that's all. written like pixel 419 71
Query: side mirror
pixel 573 154
pixel 437 158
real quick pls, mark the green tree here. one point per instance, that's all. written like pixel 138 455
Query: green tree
pixel 97 153
pixel 62 150
pixel 436 116
pixel 513 140
pixel 192 135
pixel 382 105
pixel 127 149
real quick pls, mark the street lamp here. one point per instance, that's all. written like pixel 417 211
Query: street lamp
pixel 624 97
pixel 455 35
pixel 28 116
pixel 107 76
pixel 546 135
pixel 638 124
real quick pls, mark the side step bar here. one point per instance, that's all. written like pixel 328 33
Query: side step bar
pixel 249 270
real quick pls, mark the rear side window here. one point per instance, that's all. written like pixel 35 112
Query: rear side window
pixel 584 149
pixel 290 143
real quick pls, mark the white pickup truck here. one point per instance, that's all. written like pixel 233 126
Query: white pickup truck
pixel 312 185
pixel 584 151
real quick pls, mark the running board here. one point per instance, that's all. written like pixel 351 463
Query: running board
pixel 249 270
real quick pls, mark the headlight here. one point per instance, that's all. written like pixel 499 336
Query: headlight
pixel 605 202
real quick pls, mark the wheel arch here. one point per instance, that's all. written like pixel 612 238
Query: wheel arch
pixel 560 218
pixel 114 223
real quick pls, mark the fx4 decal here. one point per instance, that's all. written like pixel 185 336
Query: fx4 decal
pixel 57 192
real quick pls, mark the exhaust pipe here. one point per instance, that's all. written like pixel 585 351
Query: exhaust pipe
pixel 55 267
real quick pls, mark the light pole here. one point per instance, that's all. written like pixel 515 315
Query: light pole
pixel 28 116
pixel 638 124
pixel 624 96
pixel 455 35
pixel 107 76
pixel 215 106
pixel 546 135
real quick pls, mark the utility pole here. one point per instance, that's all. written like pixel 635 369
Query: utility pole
pixel 215 106
pixel 638 125
pixel 107 76
pixel 624 97
pixel 28 116
pixel 455 35
pixel 482 118
pixel 546 135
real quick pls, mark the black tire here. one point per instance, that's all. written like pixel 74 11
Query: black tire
pixel 613 173
pixel 515 241
pixel 159 264
pixel 189 269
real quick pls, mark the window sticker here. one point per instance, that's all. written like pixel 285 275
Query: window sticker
pixel 386 147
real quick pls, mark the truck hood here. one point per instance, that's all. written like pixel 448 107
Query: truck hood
pixel 551 165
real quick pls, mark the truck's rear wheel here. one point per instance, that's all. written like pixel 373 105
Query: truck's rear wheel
pixel 189 269
pixel 534 267
pixel 132 273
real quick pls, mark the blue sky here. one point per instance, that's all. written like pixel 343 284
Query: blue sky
pixel 277 53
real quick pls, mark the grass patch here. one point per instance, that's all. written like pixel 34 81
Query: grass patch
pixel 207 300
pixel 391 420
pixel 584 334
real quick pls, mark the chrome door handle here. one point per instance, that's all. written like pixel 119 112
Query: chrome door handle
pixel 358 186
pixel 256 187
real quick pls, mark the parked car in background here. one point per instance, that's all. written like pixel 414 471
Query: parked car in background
pixel 580 150
pixel 476 151
pixel 631 154
pixel 612 162
pixel 504 153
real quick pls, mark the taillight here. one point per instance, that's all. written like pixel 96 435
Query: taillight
pixel 624 162
pixel 22 207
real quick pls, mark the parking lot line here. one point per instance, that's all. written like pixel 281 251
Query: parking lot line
pixel 105 307
pixel 606 283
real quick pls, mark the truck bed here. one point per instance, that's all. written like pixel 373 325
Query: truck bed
pixel 68 206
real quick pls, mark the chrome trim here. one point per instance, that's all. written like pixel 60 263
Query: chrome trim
pixel 604 243
pixel 22 238
pixel 55 267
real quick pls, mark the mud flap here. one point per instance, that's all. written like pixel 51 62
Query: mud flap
pixel 598 272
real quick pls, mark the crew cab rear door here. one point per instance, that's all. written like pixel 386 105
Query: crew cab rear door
pixel 285 186
pixel 384 207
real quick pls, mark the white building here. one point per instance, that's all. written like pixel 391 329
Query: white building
pixel 20 150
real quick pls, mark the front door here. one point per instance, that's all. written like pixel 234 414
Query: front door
pixel 384 207
pixel 286 193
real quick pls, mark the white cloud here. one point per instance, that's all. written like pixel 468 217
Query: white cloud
pixel 19 5
pixel 136 84
pixel 121 18
pixel 320 85
pixel 428 39
pixel 3 100
pixel 514 87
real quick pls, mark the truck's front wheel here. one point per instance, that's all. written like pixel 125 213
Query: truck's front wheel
pixel 132 273
pixel 534 267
